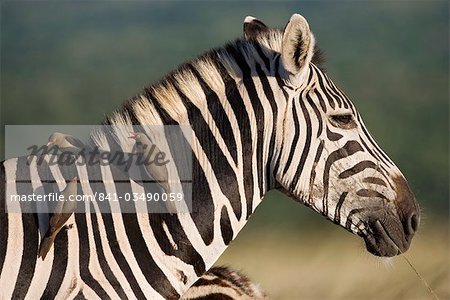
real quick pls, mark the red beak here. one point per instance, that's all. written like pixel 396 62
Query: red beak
pixel 133 135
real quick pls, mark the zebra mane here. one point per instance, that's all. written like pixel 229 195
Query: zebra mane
pixel 163 95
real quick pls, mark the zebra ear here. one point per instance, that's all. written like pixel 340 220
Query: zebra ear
pixel 253 27
pixel 297 47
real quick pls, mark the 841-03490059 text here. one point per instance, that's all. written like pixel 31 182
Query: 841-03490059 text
pixel 115 197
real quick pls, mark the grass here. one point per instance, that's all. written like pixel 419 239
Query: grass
pixel 329 263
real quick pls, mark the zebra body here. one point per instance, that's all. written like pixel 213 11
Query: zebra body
pixel 263 116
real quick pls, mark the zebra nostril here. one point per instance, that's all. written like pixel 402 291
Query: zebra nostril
pixel 414 222
pixel 411 225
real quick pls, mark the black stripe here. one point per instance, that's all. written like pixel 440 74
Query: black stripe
pixel 30 234
pixel 350 148
pixel 59 266
pixel 218 113
pixel 208 282
pixel 370 194
pixel 96 183
pixel 321 100
pixel 359 167
pixel 337 212
pixel 165 117
pixel 237 104
pixel 286 96
pixel 3 216
pixel 80 296
pixel 313 171
pixel 102 259
pixel 223 171
pixel 294 143
pixel 317 113
pixel 225 226
pixel 280 81
pixel 185 251
pixel 202 203
pixel 128 110
pixel 306 147
pixel 333 136
pixel 213 296
pixel 84 256
pixel 271 98
pixel 374 180
pixel 263 57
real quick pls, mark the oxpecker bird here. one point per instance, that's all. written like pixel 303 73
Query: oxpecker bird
pixel 62 211
pixel 66 143
pixel 150 153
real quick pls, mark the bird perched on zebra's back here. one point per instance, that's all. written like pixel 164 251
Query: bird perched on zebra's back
pixel 59 215
pixel 66 143
pixel 226 284
pixel 149 152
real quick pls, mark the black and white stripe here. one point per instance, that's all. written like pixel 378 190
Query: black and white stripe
pixel 223 283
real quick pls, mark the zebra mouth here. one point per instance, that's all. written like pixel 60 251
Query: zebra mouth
pixel 383 242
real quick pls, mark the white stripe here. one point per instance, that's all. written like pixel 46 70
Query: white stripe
pixel 43 268
pixel 14 248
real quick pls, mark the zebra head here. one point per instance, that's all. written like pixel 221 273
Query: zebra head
pixel 328 160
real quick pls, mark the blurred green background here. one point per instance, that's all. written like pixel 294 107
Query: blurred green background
pixel 74 62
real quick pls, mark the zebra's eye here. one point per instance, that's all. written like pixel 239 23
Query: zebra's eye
pixel 345 121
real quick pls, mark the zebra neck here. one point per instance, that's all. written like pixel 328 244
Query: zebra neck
pixel 239 179
pixel 234 146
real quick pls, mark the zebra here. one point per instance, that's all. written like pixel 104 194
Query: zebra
pixel 264 116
